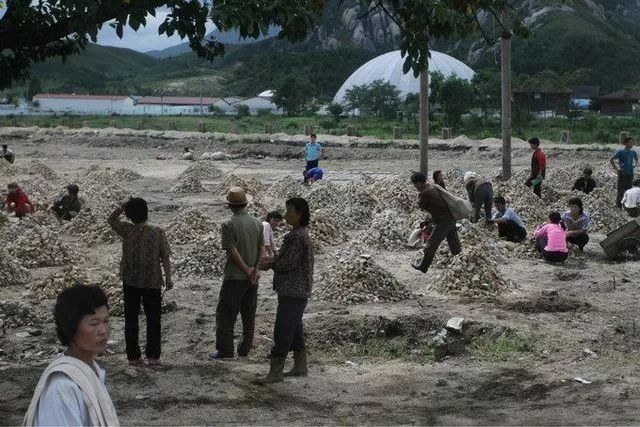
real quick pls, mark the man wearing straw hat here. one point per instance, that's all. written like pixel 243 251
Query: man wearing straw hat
pixel 242 238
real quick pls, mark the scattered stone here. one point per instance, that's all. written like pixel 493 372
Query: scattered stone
pixel 12 273
pixel 455 324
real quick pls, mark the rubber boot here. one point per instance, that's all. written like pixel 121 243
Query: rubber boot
pixel 299 365
pixel 275 374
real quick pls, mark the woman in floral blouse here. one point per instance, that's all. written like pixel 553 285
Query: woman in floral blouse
pixel 292 281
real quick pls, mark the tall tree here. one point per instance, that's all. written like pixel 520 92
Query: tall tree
pixel 293 95
pixel 33 88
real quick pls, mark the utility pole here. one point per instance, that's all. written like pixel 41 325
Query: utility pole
pixel 505 61
pixel 424 120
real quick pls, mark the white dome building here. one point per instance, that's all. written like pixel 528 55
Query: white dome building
pixel 388 67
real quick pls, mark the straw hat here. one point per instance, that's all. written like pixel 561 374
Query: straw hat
pixel 237 197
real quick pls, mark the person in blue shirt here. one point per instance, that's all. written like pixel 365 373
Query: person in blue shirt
pixel 510 225
pixel 627 160
pixel 314 175
pixel 313 152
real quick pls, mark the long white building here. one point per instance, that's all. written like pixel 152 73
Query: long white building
pixel 83 104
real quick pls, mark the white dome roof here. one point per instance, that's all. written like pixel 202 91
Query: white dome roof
pixel 388 67
pixel 267 94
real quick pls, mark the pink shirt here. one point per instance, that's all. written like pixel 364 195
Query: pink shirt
pixel 556 237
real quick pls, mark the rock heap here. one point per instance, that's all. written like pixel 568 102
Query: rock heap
pixel 91 227
pixel 394 193
pixel 285 188
pixel 12 273
pixel 40 247
pixel 188 226
pixel 325 230
pixel 357 280
pixel 188 184
pixel 36 167
pixel 388 230
pixel 50 287
pixel 127 175
pixel 205 259
pixel 205 170
pixel 112 287
pixel 14 314
pixel 251 185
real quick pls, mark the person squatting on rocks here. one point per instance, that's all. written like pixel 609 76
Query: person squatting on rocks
pixel 577 222
pixel 313 175
pixel 585 183
pixel 313 152
pixel 17 201
pixel 431 200
pixel 538 167
pixel 7 154
pixel 68 206
pixel 243 239
pixel 144 250
pixel 480 193
pixel 271 222
pixel 438 179
pixel 551 239
pixel 71 390
pixel 631 199
pixel 627 160
pixel 292 281
pixel 510 225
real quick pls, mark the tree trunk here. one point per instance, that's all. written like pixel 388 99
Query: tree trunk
pixel 424 121
pixel 505 57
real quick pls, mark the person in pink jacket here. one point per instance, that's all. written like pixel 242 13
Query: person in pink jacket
pixel 551 239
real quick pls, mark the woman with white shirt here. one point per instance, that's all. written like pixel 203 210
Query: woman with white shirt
pixel 631 199
pixel 72 391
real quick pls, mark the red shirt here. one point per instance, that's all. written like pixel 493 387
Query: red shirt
pixel 538 163
pixel 21 199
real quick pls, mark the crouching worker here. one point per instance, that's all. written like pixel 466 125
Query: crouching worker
pixel 313 175
pixel 510 225
pixel 480 193
pixel 68 206
pixel 72 391
pixel 292 280
pixel 551 239
pixel 17 201
pixel 577 222
pixel 631 199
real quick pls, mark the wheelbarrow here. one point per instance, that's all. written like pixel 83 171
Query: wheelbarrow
pixel 623 242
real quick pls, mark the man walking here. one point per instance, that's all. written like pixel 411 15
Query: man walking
pixel 144 250
pixel 313 152
pixel 627 160
pixel 444 223
pixel 243 239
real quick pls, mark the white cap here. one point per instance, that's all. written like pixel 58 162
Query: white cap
pixel 468 176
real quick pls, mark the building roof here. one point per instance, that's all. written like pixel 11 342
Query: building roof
pixel 176 100
pixel 75 96
pixel 546 87
pixel 623 95
pixel 585 92
pixel 388 67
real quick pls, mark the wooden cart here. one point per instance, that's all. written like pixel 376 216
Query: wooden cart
pixel 623 242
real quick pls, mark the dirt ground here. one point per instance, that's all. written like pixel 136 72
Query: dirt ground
pixel 350 381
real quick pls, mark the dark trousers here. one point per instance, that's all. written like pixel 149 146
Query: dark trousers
pixel 236 296
pixel 581 240
pixel 550 256
pixel 441 231
pixel 152 303
pixel 511 231
pixel 537 189
pixel 288 332
pixel 625 182
pixel 633 212
pixel 483 196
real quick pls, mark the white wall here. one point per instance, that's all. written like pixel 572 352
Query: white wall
pixel 84 106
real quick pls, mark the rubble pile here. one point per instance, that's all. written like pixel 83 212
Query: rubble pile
pixel 325 230
pixel 326 195
pixel 188 184
pixel 205 259
pixel 250 186
pixel 112 287
pixel 91 227
pixel 40 190
pixel 454 182
pixel 36 167
pixel 471 273
pixel 524 202
pixel 203 170
pixel 40 247
pixel 605 217
pixel 388 230
pixel 285 188
pixel 50 287
pixel 188 226
pixel 8 170
pixel 41 217
pixel 12 273
pixel 395 192
pixel 127 175
pixel 102 190
pixel 474 235
pixel 358 279
pixel 14 314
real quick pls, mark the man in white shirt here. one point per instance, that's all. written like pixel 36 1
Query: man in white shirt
pixel 510 225
pixel 271 222
pixel 631 198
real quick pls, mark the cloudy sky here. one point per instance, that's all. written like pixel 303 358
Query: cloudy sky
pixel 146 38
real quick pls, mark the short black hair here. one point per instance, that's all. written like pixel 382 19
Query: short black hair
pixel 534 141
pixel 588 171
pixel 4 146
pixel 302 207
pixel 274 215
pixel 499 200
pixel 636 182
pixel 313 135
pixel 73 189
pixel 576 201
pixel 72 305
pixel 555 217
pixel 136 210
pixel 418 177
pixel 627 139
pixel 436 173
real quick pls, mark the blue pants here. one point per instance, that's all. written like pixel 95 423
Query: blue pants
pixel 288 333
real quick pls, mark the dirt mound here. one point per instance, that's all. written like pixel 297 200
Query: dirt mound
pixel 395 193
pixel 202 170
pixel 36 167
pixel 40 247
pixel 325 230
pixel 112 287
pixel 50 287
pixel 92 227
pixel 12 273
pixel 14 314
pixel 188 226
pixel 205 259
pixel 285 188
pixel 127 175
pixel 250 186
pixel 189 185
pixel 358 279
pixel 387 230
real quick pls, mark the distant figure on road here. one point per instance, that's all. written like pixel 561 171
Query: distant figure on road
pixel 480 193
pixel 314 175
pixel 510 225
pixel 438 179
pixel 17 201
pixel 627 160
pixel 538 167
pixel 631 200
pixel 313 152
pixel 7 154
pixel 68 206
pixel 585 183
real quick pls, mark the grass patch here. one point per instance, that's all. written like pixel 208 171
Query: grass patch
pixel 501 349
pixel 383 349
